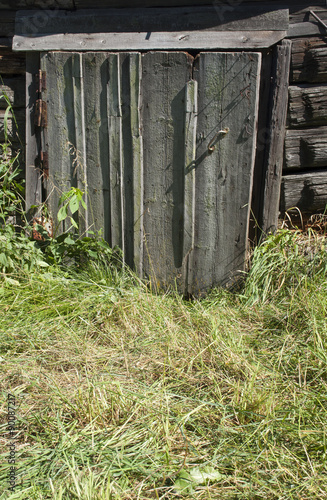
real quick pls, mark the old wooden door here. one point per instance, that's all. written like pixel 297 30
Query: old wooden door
pixel 165 151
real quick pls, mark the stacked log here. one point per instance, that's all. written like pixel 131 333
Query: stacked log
pixel 304 183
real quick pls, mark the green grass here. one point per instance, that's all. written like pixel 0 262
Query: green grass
pixel 124 394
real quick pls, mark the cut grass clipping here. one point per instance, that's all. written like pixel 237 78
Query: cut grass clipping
pixel 123 394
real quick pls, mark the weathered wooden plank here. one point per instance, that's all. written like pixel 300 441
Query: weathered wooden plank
pixel 149 41
pixel 309 60
pixel 274 163
pixel 134 232
pixel 306 148
pixel 191 110
pixel 228 97
pixel 302 15
pixel 33 191
pixel 14 90
pixel 11 63
pixel 152 20
pixel 309 28
pixel 115 152
pixel 80 140
pixel 163 94
pixel 308 192
pixel 61 128
pixel 307 105
pixel 7 23
pixel 264 114
pixel 36 4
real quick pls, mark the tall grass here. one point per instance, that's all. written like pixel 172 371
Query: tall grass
pixel 124 394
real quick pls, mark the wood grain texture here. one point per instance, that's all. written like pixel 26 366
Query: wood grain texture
pixel 14 89
pixel 179 40
pixel 308 192
pixel 33 192
pixel 191 111
pixel 60 133
pixel 152 20
pixel 305 149
pixel 311 28
pixel 307 105
pixel 309 60
pixel 228 97
pixel 12 63
pixel 164 76
pixel 274 151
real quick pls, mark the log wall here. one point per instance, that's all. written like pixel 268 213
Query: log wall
pixel 305 159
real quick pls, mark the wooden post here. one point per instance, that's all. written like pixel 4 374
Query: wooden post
pixel 275 148
pixel 33 175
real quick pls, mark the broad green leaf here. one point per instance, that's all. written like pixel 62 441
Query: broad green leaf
pixel 204 475
pixel 62 214
pixel 69 241
pixel 74 204
pixel 74 223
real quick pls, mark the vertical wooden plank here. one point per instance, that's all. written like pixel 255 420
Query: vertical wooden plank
pixel 164 76
pixel 228 99
pixel 191 109
pixel 115 152
pixel 135 73
pixel 95 72
pixel 61 127
pixel 33 174
pixel 262 144
pixel 80 141
pixel 274 162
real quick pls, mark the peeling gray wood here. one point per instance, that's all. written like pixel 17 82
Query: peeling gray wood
pixel 307 192
pixel 152 20
pixel 191 110
pixel 307 105
pixel 149 41
pixel 164 77
pixel 228 97
pixel 306 149
pixel 33 191
pixel 274 164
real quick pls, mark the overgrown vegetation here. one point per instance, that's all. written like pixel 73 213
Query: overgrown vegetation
pixel 124 394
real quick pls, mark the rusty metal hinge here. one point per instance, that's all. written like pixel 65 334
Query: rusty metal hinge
pixel 41 113
pixel 42 76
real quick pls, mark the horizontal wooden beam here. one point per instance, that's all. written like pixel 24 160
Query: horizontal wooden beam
pixel 307 105
pixel 309 28
pixel 307 192
pixel 204 40
pixel 11 63
pixel 306 148
pixel 152 20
